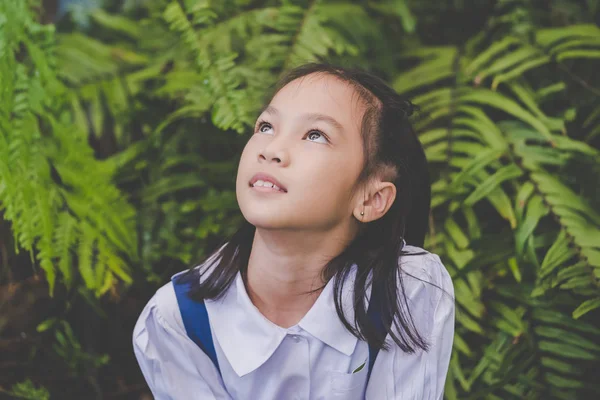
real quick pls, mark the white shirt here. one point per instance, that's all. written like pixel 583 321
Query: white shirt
pixel 312 360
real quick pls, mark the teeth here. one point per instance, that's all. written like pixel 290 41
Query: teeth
pixel 268 184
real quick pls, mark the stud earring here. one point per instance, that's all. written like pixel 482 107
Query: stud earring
pixel 362 213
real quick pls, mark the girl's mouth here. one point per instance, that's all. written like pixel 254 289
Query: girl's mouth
pixel 266 183
pixel 266 186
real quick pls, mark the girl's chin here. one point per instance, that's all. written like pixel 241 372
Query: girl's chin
pixel 262 223
pixel 263 217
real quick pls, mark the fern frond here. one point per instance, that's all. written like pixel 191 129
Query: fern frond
pixel 502 153
pixel 46 165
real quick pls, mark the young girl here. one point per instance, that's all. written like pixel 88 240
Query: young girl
pixel 323 293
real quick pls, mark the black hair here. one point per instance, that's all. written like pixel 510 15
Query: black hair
pixel 391 148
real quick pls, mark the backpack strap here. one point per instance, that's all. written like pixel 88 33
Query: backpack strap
pixel 195 320
pixel 374 314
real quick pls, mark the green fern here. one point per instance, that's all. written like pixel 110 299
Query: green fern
pixel 489 146
pixel 52 189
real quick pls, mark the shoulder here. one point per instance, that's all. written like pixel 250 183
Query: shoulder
pixel 162 308
pixel 428 292
pixel 166 302
pixel 422 269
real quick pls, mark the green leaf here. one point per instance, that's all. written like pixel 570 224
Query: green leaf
pixel 559 194
pixel 496 100
pixel 482 160
pixel 84 255
pixel 568 144
pixel 117 23
pixel 521 201
pixel 472 223
pixel 552 317
pixel 577 283
pixel 592 256
pixel 505 173
pixel 514 268
pixel 566 350
pixel 428 72
pixel 562 382
pixel 535 211
pixel 527 98
pixel 46 324
pixel 558 253
pixel 456 233
pixel 519 71
pixel 455 371
pixel 482 124
pixel 432 136
pixel 510 315
pixel 547 37
pixel 566 336
pixel 565 55
pixel 495 49
pixel 558 365
pixel 468 323
pixel 510 60
pixel 460 345
pixel 586 306
pixel 578 269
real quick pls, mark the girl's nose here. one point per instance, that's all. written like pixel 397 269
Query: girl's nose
pixel 274 152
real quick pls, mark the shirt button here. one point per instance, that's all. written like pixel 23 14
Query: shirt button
pixel 296 338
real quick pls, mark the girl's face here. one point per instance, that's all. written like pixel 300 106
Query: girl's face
pixel 309 141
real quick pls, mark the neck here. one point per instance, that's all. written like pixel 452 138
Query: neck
pixel 284 271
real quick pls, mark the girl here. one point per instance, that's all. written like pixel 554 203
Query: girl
pixel 324 273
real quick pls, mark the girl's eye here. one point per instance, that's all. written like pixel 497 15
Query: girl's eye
pixel 316 136
pixel 264 127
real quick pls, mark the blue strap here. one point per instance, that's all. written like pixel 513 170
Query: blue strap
pixel 195 320
pixel 374 314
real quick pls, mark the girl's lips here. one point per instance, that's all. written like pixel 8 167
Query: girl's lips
pixel 266 177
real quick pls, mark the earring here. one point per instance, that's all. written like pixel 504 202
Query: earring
pixel 362 213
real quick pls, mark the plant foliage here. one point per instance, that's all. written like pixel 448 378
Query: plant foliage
pixel 61 202
pixel 119 143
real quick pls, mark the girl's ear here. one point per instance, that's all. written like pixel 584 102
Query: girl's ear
pixel 376 202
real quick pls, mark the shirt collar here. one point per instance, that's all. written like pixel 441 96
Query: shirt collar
pixel 323 322
pixel 248 338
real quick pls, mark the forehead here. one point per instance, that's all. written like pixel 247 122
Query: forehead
pixel 324 94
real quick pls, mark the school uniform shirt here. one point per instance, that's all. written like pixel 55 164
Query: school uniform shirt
pixel 313 360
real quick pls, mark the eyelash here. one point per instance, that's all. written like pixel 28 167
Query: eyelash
pixel 262 122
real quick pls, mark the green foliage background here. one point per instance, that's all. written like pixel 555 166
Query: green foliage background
pixel 120 129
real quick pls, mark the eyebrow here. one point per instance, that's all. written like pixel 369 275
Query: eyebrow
pixel 309 116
